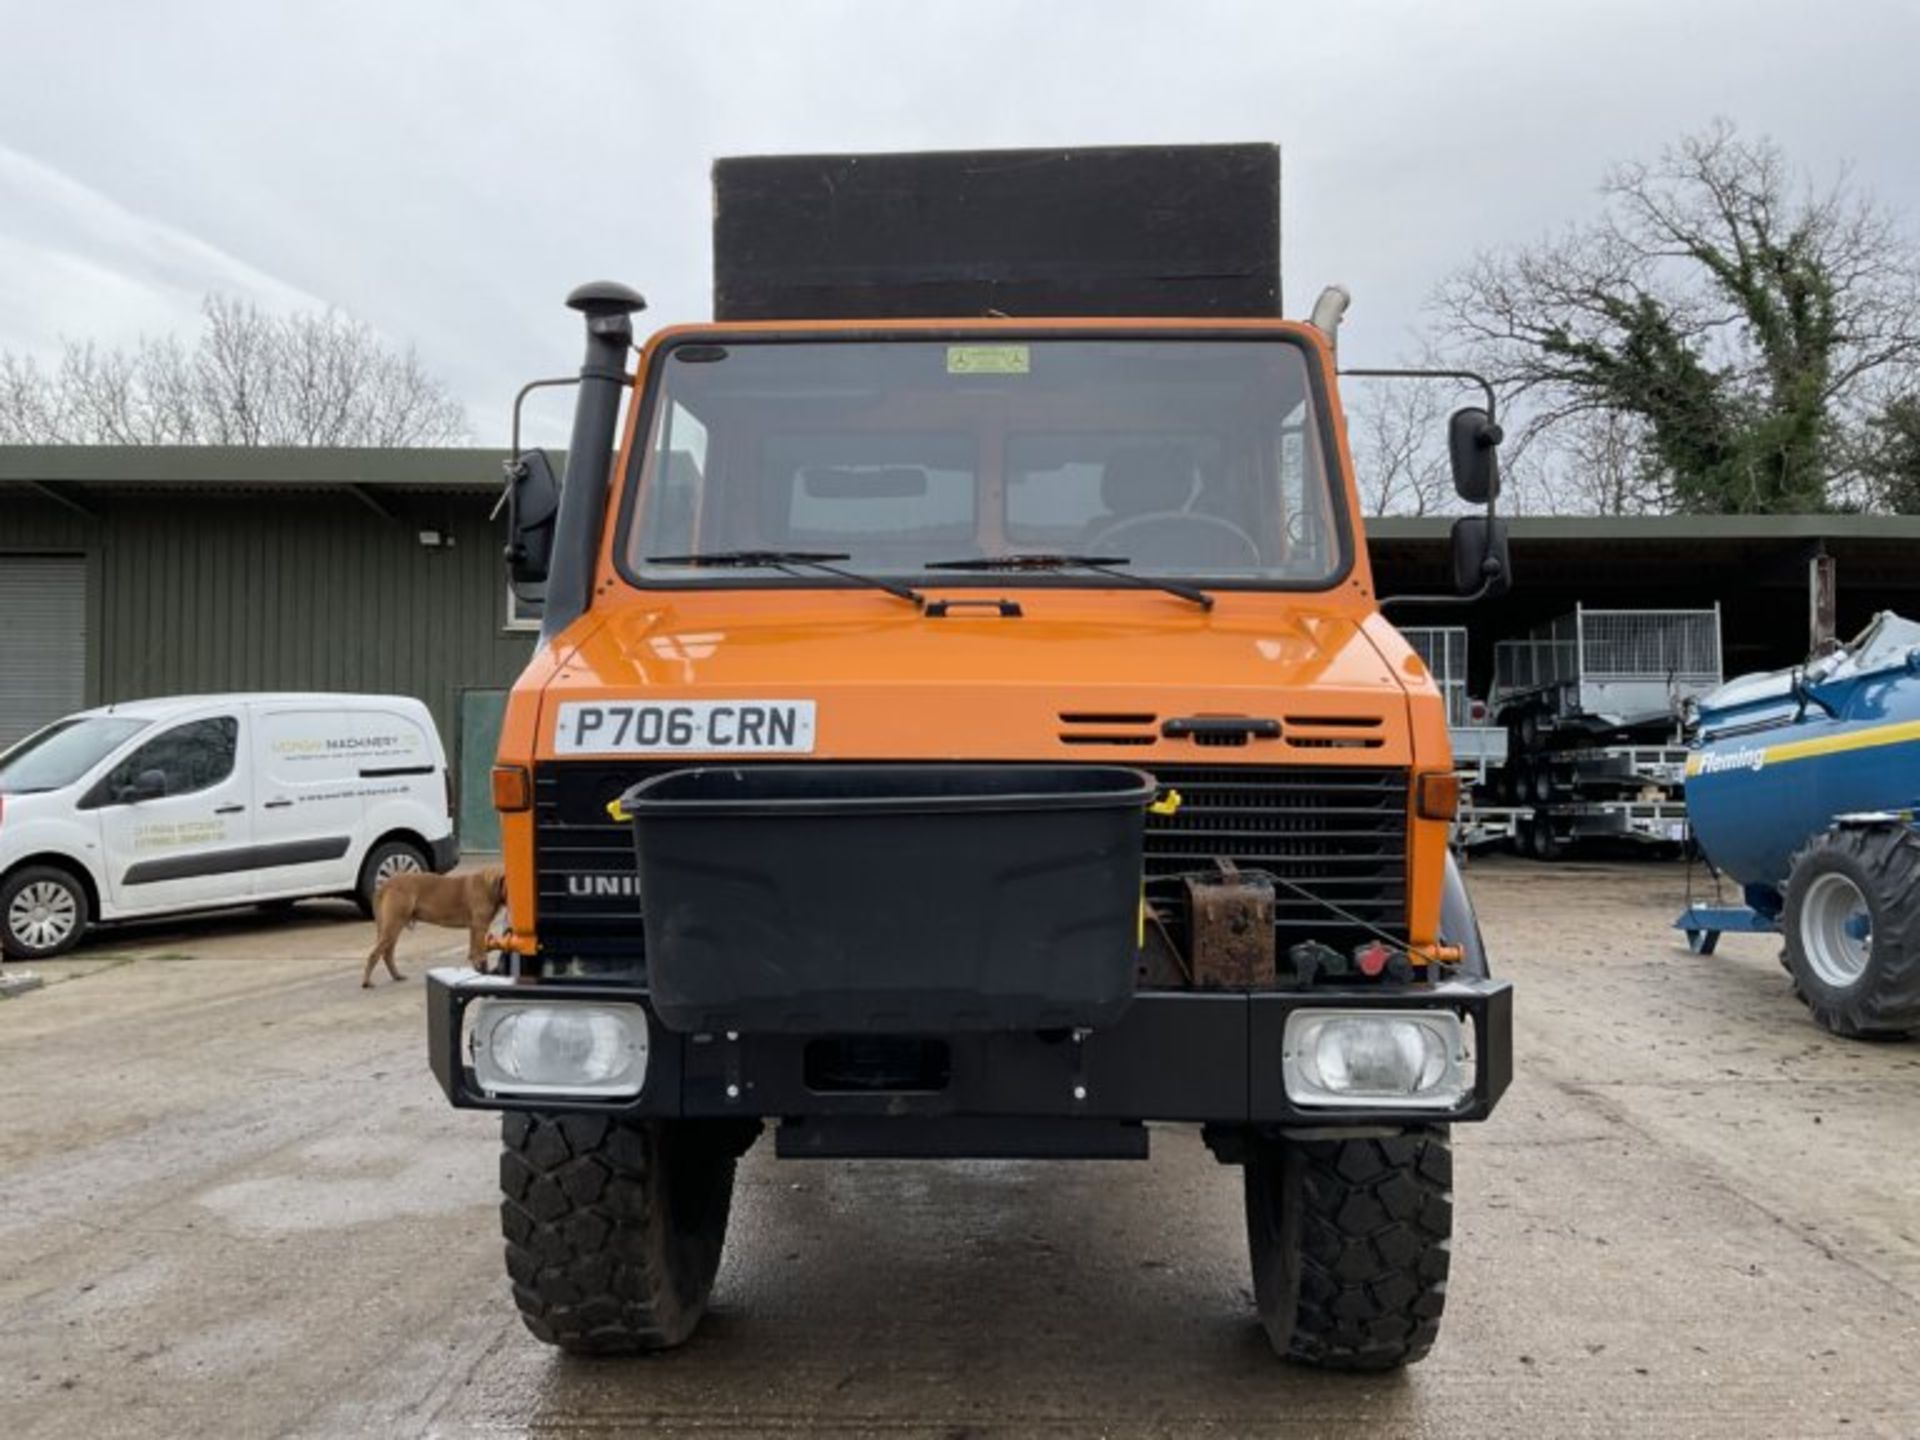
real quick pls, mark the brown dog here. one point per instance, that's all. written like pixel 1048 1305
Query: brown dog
pixel 470 901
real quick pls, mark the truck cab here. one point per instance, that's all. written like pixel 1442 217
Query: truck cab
pixel 970 734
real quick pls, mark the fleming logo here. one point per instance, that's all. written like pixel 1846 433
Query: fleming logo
pixel 1752 758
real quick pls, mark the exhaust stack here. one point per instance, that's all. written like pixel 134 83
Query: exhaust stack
pixel 1328 311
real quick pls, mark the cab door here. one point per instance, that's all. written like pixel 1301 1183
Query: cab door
pixel 176 826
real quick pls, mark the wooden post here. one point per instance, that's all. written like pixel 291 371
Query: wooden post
pixel 1821 621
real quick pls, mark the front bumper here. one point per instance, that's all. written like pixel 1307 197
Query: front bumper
pixel 1207 1057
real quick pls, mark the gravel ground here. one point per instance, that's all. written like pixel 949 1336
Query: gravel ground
pixel 232 1202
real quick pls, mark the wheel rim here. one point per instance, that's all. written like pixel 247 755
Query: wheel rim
pixel 400 862
pixel 43 915
pixel 1836 930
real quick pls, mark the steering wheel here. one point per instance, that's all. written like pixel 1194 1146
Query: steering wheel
pixel 1110 538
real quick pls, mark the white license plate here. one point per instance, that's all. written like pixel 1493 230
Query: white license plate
pixel 704 727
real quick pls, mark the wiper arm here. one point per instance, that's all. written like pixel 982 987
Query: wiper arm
pixel 786 561
pixel 1098 564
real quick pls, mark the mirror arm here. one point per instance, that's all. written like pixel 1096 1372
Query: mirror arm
pixel 1472 377
pixel 1489 573
pixel 512 463
pixel 526 390
pixel 1487 576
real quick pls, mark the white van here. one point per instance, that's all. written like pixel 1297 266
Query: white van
pixel 199 801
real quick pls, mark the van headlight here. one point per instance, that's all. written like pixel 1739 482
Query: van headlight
pixel 543 1047
pixel 1380 1059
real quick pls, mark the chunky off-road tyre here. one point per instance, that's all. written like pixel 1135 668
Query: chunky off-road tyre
pixel 1852 923
pixel 614 1227
pixel 383 862
pixel 1350 1246
pixel 43 912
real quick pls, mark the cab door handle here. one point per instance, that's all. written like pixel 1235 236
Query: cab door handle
pixel 277 805
pixel 229 809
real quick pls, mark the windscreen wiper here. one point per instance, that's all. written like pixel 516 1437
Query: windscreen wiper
pixel 1098 564
pixel 787 561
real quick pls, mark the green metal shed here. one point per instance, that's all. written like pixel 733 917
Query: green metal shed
pixel 127 572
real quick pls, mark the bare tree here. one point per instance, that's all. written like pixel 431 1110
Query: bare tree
pixel 249 378
pixel 1734 316
pixel 1600 466
pixel 1398 433
pixel 1397 428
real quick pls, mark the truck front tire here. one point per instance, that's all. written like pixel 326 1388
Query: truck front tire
pixel 1349 1240
pixel 1852 924
pixel 614 1227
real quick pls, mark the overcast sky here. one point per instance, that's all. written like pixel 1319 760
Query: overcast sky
pixel 447 170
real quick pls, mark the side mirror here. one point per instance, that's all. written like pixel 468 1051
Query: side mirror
pixel 147 785
pixel 1480 564
pixel 1472 445
pixel 533 504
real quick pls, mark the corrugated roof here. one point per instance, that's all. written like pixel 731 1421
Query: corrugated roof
pixel 253 467
pixel 1664 527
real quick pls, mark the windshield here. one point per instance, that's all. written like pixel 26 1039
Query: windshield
pixel 60 754
pixel 1181 458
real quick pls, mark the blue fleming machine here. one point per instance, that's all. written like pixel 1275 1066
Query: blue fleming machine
pixel 1803 787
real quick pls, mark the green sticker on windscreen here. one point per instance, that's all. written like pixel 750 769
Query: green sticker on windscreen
pixel 988 360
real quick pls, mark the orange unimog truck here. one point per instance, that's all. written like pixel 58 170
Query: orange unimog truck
pixel 963 725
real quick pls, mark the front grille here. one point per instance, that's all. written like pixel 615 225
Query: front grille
pixel 583 858
pixel 1339 832
pixel 1092 727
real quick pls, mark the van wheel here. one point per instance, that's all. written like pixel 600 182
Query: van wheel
pixel 1350 1245
pixel 43 913
pixel 386 860
pixel 614 1227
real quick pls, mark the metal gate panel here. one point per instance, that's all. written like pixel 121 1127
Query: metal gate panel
pixel 43 641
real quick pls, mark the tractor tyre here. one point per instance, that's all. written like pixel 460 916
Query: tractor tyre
pixel 1852 923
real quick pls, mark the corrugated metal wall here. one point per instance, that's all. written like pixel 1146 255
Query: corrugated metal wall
pixel 294 592
pixel 43 641
pixel 30 521
pixel 253 590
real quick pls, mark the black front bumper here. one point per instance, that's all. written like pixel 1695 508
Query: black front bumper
pixel 1208 1057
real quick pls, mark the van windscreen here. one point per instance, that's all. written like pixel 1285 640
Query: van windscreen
pixel 57 756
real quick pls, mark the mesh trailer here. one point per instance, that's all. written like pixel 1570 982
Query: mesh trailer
pixel 1606 675
pixel 1595 706
pixel 1478 749
pixel 1443 650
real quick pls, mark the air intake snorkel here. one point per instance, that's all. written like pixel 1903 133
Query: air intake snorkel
pixel 609 309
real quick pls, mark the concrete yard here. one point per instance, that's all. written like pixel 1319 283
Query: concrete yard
pixel 233 1202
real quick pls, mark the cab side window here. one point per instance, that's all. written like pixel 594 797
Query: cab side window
pixel 192 757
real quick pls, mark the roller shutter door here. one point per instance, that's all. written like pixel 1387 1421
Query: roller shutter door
pixel 43 641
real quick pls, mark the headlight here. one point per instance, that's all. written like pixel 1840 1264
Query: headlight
pixel 1378 1059
pixel 536 1047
